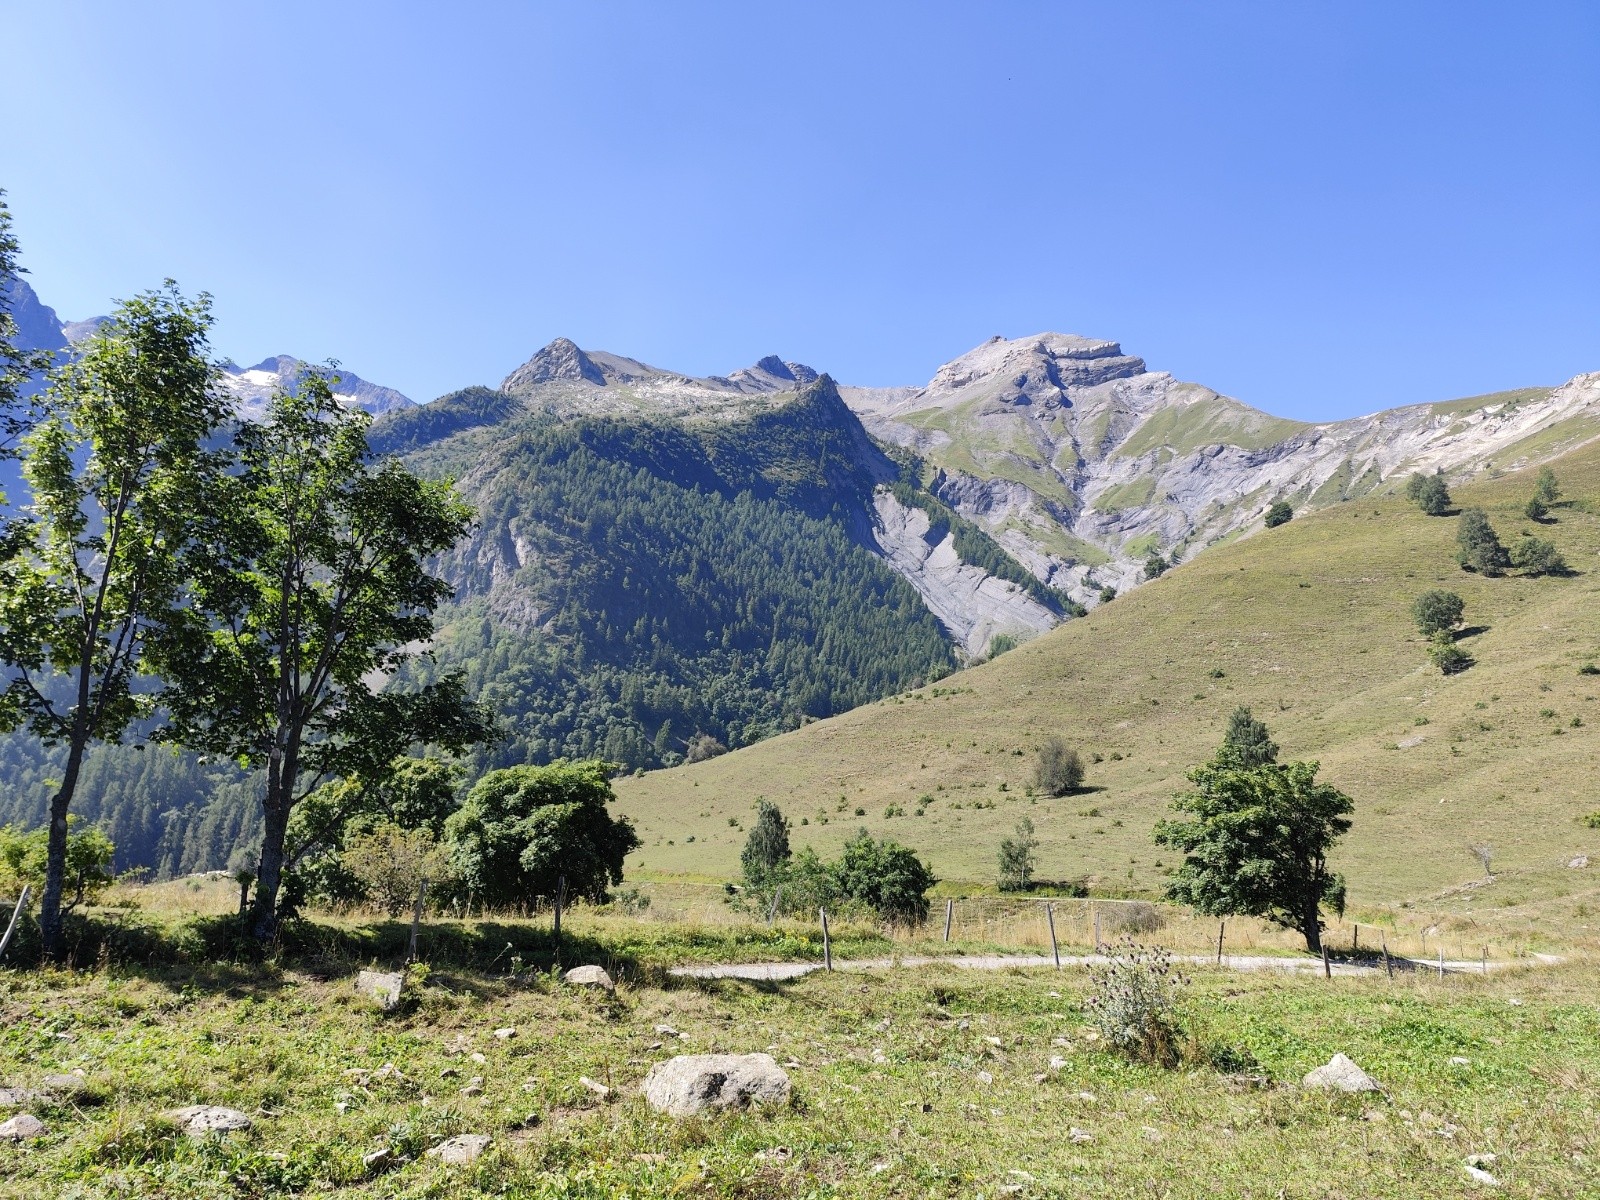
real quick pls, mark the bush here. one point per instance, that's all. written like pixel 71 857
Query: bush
pixel 392 862
pixel 1107 594
pixel 1000 643
pixel 1535 556
pixel 886 877
pixel 1545 489
pixel 1281 513
pixel 1429 494
pixel 1535 510
pixel 1154 565
pixel 1478 548
pixel 1135 917
pixel 1017 858
pixel 1450 658
pixel 701 747
pixel 1437 612
pixel 767 847
pixel 1133 1001
pixel 1059 769
pixel 88 869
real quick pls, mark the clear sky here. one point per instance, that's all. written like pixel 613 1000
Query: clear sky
pixel 1322 209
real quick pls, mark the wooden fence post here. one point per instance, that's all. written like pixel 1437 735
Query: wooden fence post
pixel 16 912
pixel 1221 928
pixel 827 945
pixel 772 915
pixel 1355 941
pixel 949 913
pixel 1096 911
pixel 561 899
pixel 1441 960
pixel 1050 916
pixel 1327 967
pixel 1388 963
pixel 416 919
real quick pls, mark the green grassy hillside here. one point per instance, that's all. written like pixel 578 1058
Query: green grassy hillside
pixel 1310 625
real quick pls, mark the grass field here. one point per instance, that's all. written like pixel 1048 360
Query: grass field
pixel 1308 624
pixel 926 1082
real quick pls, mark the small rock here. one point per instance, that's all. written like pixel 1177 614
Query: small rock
pixel 64 1084
pixel 384 987
pixel 449 1072
pixel 653 1046
pixel 595 1086
pixel 963 1024
pixel 478 1058
pixel 379 1160
pixel 667 1031
pixel 1150 1133
pixel 389 1071
pixel 1580 863
pixel 1079 1135
pixel 462 1149
pixel 1064 1043
pixel 1057 1062
pixel 1514 1002
pixel 590 977
pixel 693 1083
pixel 200 1119
pixel 1086 1097
pixel 985 1078
pixel 505 1034
pixel 1460 1060
pixel 11 1097
pixel 780 1154
pixel 993 1041
pixel 1342 1075
pixel 474 1086
pixel 1482 1177
pixel 21 1127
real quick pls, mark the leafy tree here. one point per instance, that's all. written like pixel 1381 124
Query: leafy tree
pixel 1059 768
pixel 1545 488
pixel 703 746
pixel 1437 611
pixel 1478 548
pixel 1017 858
pixel 25 854
pixel 1247 743
pixel 885 876
pixel 1535 509
pixel 318 589
pixel 119 474
pixel 1155 565
pixel 1256 842
pixel 520 829
pixel 1536 556
pixel 767 847
pixel 1107 594
pixel 392 862
pixel 1443 653
pixel 999 644
pixel 1281 513
pixel 1429 493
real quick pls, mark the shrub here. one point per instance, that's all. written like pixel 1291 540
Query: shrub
pixel 1536 556
pixel 1154 565
pixel 1545 489
pixel 886 877
pixel 1437 611
pixel 1107 594
pixel 88 867
pixel 1017 858
pixel 1059 769
pixel 1535 510
pixel 1429 494
pixel 1478 548
pixel 1593 820
pixel 392 862
pixel 1133 1001
pixel 1135 917
pixel 1281 513
pixel 767 847
pixel 1443 653
pixel 1247 741
pixel 701 747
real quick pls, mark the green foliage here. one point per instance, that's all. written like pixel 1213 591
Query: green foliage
pixel 701 747
pixel 1155 565
pixel 1437 611
pixel 767 847
pixel 1107 594
pixel 391 863
pixel 1593 820
pixel 1017 856
pixel 1545 488
pixel 520 829
pixel 1429 493
pixel 1256 842
pixel 1059 769
pixel 317 588
pixel 1535 509
pixel 1478 547
pixel 886 877
pixel 1281 513
pixel 1246 742
pixel 1443 653
pixel 999 644
pixel 24 857
pixel 1536 556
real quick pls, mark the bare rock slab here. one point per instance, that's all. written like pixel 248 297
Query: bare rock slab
pixel 384 987
pixel 1339 1074
pixel 590 977
pixel 200 1119
pixel 22 1127
pixel 696 1083
pixel 461 1150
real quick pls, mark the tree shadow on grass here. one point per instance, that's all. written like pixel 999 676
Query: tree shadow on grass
pixel 1471 631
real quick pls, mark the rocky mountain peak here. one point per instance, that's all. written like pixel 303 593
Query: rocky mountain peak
pixel 770 374
pixel 560 360
pixel 1043 364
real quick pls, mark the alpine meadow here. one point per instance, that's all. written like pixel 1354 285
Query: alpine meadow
pixel 922 762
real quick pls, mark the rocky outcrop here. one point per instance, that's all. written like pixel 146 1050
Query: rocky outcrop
pixel 560 360
pixel 971 604
pixel 691 1084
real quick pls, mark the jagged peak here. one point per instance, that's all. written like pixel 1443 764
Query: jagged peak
pixel 560 360
pixel 770 374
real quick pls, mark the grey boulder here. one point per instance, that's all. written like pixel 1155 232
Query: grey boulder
pixel 462 1149
pixel 200 1119
pixel 1339 1074
pixel 590 977
pixel 384 987
pixel 22 1127
pixel 694 1083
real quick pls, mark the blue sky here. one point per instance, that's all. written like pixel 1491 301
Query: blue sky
pixel 1322 209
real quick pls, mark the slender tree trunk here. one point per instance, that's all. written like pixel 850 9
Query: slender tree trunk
pixel 55 874
pixel 269 875
pixel 1311 927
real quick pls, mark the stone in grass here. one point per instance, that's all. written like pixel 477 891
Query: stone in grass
pixel 590 976
pixel 461 1150
pixel 22 1127
pixel 384 987
pixel 506 1034
pixel 1341 1075
pixel 695 1083
pixel 200 1119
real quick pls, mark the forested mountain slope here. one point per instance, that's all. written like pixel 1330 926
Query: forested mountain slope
pixel 1309 624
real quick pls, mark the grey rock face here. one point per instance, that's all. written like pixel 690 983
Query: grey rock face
pixel 461 1150
pixel 22 1127
pixel 560 360
pixel 252 387
pixel 384 987
pixel 1341 1075
pixel 695 1083
pixel 590 976
pixel 38 327
pixel 200 1119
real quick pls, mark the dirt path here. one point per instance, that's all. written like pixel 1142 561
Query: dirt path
pixel 779 971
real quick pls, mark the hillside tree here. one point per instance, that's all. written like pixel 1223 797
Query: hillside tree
pixel 1437 611
pixel 1546 490
pixel 1537 556
pixel 1247 742
pixel 1059 768
pixel 1429 493
pixel 98 572
pixel 318 589
pixel 1478 547
pixel 1281 513
pixel 1017 858
pixel 766 848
